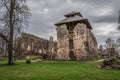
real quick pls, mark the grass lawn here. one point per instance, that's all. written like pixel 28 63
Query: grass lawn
pixel 65 70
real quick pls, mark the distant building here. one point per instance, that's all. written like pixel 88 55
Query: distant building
pixel 75 39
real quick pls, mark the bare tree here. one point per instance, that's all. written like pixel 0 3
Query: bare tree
pixel 118 45
pixel 13 18
pixel 119 21
pixel 109 43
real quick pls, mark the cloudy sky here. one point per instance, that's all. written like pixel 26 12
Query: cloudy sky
pixel 102 15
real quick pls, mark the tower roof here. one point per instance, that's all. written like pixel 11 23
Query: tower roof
pixel 73 13
pixel 73 17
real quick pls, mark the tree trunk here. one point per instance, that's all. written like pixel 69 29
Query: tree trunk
pixel 11 25
pixel 10 52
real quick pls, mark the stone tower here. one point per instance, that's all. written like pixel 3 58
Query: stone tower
pixel 52 48
pixel 75 39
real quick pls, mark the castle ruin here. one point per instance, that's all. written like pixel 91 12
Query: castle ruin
pixel 75 39
pixel 28 44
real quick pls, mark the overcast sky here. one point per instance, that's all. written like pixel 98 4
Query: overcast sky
pixel 102 15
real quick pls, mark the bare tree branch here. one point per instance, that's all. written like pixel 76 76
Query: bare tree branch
pixel 3 37
pixel 13 18
pixel 119 21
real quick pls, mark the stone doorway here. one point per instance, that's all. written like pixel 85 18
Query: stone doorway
pixel 72 56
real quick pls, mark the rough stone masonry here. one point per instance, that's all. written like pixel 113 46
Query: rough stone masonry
pixel 75 39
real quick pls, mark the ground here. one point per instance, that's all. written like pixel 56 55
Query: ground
pixel 56 70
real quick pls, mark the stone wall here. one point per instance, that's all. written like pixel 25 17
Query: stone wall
pixel 62 45
pixel 75 39
pixel 83 40
pixel 30 44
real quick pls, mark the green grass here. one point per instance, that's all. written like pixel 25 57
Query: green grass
pixel 65 70
pixel 32 57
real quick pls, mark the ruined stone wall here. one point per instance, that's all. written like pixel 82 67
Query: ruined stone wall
pixel 84 42
pixel 30 44
pixel 52 48
pixel 33 45
pixel 62 45
pixel 80 41
pixel 93 46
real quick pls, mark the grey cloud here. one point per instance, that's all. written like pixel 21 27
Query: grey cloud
pixel 45 13
pixel 104 19
pixel 93 7
pixel 115 33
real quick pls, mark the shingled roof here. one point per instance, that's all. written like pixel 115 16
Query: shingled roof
pixel 73 17
pixel 73 13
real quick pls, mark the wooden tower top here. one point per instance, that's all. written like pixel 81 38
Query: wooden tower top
pixel 74 16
